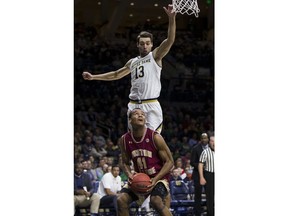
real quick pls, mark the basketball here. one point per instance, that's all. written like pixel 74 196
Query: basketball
pixel 140 182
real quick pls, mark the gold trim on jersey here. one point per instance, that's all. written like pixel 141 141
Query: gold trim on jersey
pixel 143 101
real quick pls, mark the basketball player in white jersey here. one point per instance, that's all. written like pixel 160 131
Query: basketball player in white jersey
pixel 145 74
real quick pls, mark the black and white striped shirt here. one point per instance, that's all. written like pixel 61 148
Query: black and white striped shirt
pixel 207 158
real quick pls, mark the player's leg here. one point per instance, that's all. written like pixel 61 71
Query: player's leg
pixel 124 199
pixel 167 201
pixel 154 116
pixel 159 199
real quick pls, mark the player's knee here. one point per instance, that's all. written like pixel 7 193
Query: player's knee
pixel 156 202
pixel 122 206
pixel 122 201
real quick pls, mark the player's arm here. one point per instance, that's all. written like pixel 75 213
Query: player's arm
pixel 165 155
pixel 163 49
pixel 109 76
pixel 125 163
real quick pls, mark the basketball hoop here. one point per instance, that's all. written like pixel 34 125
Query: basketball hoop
pixel 186 6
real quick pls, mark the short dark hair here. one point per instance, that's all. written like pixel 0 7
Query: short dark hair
pixel 115 165
pixel 145 34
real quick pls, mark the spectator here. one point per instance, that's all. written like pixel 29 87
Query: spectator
pixel 110 186
pixel 98 138
pixel 100 151
pixel 77 138
pixel 175 175
pixel 93 168
pixel 93 162
pixel 100 170
pixel 189 173
pixel 84 194
pixel 109 169
pixel 112 150
pixel 88 148
pixel 110 161
pixel 179 166
pixel 90 172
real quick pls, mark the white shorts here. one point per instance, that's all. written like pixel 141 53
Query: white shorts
pixel 153 111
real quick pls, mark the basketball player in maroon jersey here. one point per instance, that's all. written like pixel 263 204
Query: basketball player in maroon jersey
pixel 150 154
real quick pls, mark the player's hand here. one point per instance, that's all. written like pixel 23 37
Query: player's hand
pixel 87 75
pixel 151 186
pixel 169 10
pixel 130 178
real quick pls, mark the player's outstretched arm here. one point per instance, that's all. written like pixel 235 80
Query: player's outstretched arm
pixel 165 46
pixel 109 76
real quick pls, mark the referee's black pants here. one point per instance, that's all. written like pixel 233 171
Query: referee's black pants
pixel 209 190
pixel 197 193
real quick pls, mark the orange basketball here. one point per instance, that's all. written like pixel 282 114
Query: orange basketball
pixel 140 182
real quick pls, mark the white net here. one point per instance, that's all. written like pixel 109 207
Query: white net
pixel 186 6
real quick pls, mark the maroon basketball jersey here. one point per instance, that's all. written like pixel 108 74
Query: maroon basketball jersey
pixel 144 153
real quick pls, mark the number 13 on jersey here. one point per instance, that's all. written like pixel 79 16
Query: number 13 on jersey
pixel 139 72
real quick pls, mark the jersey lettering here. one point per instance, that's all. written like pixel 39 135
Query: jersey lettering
pixel 141 152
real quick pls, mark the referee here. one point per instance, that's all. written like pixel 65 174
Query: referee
pixel 206 172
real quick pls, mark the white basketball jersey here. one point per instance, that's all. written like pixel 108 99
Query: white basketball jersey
pixel 145 78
